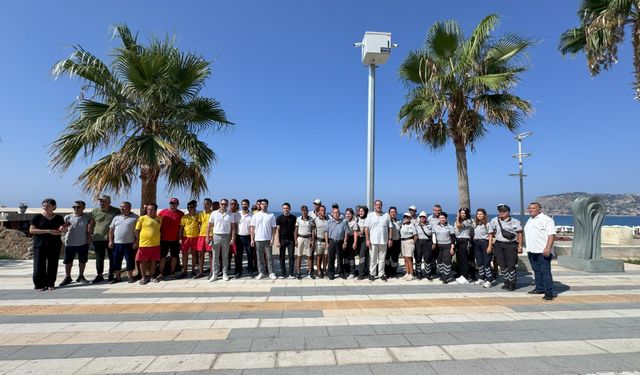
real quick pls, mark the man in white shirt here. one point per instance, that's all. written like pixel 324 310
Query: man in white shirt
pixel 263 230
pixel 224 227
pixel 378 234
pixel 243 240
pixel 539 235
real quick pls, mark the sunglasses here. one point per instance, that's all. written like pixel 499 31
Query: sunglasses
pixel 74 207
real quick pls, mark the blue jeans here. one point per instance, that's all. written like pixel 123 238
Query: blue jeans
pixel 541 266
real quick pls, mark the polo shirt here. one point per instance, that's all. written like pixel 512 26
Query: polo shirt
pixel 395 229
pixel 203 219
pixel 424 231
pixel 190 225
pixel 222 221
pixel 124 228
pixel 320 225
pixel 150 230
pixel 433 221
pixel 77 234
pixel 378 228
pixel 511 225
pixel 287 225
pixel 102 220
pixel 443 233
pixel 481 231
pixel 536 232
pixel 170 224
pixel 407 231
pixel 465 230
pixel 336 229
pixel 305 227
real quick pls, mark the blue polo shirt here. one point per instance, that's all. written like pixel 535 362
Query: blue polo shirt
pixel 336 229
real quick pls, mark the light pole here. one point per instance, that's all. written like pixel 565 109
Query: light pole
pixel 520 155
pixel 376 48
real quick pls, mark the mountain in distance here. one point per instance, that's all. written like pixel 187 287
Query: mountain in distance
pixel 615 204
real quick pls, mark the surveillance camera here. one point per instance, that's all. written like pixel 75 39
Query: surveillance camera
pixel 357 44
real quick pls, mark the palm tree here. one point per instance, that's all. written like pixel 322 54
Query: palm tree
pixel 144 114
pixel 602 26
pixel 457 86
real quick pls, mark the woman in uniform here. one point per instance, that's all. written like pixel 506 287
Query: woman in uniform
pixel 348 259
pixel 464 255
pixel 408 238
pixel 363 262
pixel 444 238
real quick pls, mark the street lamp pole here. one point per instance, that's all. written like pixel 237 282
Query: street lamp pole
pixel 520 156
pixel 376 48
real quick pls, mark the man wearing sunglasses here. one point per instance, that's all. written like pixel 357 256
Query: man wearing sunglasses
pixel 224 226
pixel 76 241
pixel 169 231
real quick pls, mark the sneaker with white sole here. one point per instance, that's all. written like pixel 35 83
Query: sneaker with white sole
pixel 272 276
pixel 479 282
pixel 213 278
pixel 225 277
pixel 260 276
pixel 351 276
pixel 292 276
pixel 487 284
pixel 462 280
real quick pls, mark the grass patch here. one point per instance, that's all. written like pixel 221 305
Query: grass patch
pixel 4 257
pixel 632 260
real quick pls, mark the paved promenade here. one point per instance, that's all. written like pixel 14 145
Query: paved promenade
pixel 350 327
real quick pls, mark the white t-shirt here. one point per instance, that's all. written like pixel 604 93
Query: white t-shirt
pixel 537 231
pixel 407 231
pixel 378 228
pixel 263 225
pixel 305 227
pixel 243 223
pixel 222 221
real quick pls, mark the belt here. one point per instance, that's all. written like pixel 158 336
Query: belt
pixel 507 241
pixel 306 236
pixel 406 239
pixel 317 240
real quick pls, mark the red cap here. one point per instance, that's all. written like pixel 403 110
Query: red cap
pixel 174 200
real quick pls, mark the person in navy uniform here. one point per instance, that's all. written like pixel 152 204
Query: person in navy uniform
pixel 505 242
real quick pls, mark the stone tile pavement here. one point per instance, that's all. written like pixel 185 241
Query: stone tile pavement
pixel 246 326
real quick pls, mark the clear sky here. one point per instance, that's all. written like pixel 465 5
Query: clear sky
pixel 288 75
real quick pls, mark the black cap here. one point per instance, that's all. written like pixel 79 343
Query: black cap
pixel 503 208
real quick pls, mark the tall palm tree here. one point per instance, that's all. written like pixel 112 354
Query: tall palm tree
pixel 602 27
pixel 457 86
pixel 144 114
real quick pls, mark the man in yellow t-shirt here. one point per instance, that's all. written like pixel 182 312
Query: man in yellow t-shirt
pixel 188 237
pixel 148 240
pixel 203 246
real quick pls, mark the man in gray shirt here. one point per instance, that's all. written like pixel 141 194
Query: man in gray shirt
pixel 122 239
pixel 336 236
pixel 77 239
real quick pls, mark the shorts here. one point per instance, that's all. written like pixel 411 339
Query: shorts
pixel 70 253
pixel 190 243
pixel 126 251
pixel 321 247
pixel 303 247
pixel 203 245
pixel 408 247
pixel 148 253
pixel 169 247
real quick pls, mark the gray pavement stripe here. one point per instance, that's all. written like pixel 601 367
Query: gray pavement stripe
pixel 584 306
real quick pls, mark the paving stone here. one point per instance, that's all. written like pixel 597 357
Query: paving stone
pixel 414 368
pixel 50 366
pixel 305 358
pixel 278 343
pixel 35 352
pixel 106 350
pixel 431 339
pixel 341 370
pixel 262 332
pixel 222 346
pixel 133 364
pixel 302 314
pixel 499 336
pixel 419 354
pixel 331 342
pixel 165 348
pixel 180 363
pixel 395 329
pixel 350 330
pixel 243 361
pixel 302 331
pixel 381 341
pixel 362 356
pixel 475 367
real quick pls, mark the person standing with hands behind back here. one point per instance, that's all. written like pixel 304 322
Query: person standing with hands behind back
pixel 46 229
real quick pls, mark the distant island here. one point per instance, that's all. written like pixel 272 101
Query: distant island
pixel 616 204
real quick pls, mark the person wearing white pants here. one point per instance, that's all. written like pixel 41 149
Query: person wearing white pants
pixel 378 236
pixel 224 226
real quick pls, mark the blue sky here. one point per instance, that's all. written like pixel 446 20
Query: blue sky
pixel 288 76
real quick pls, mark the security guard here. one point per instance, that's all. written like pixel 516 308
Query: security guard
pixel 505 241
pixel 444 238
pixel 424 253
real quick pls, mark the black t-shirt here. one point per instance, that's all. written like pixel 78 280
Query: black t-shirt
pixel 41 222
pixel 287 226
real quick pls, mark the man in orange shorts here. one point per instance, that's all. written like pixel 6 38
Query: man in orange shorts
pixel 148 240
pixel 203 246
pixel 189 231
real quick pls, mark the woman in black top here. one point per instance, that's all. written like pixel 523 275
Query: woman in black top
pixel 46 229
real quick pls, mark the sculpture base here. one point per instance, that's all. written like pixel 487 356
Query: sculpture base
pixel 591 265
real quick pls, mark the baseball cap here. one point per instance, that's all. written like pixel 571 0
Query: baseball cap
pixel 317 201
pixel 104 197
pixel 503 207
pixel 422 213
pixel 407 214
pixel 174 200
pixel 413 208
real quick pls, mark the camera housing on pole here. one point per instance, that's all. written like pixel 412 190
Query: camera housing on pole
pixel 520 156
pixel 376 48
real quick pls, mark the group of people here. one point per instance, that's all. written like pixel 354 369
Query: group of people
pixel 329 244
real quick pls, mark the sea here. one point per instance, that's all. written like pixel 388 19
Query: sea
pixel 629 221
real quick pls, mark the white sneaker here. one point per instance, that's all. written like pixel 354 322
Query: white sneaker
pixel 479 282
pixel 309 276
pixel 291 276
pixel 351 276
pixel 213 278
pixel 462 280
pixel 487 284
pixel 225 277
pixel 272 276
pixel 260 276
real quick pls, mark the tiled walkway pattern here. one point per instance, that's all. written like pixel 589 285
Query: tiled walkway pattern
pixel 319 326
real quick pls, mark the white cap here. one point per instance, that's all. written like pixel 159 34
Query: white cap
pixel 412 207
pixel 317 201
pixel 407 214
pixel 422 213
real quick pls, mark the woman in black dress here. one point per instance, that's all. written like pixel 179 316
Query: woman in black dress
pixel 46 229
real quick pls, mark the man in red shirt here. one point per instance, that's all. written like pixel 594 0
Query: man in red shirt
pixel 169 244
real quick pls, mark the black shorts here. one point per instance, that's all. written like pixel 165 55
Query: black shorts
pixel 169 247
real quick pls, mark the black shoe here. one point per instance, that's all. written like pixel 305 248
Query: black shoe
pixel 383 278
pixel 114 281
pixel 547 297
pixel 372 278
pixel 81 279
pixel 110 277
pixel 67 280
pixel 238 275
pixel 511 287
pixel 98 279
pixel 535 291
pixel 331 277
pixel 343 276
pixel 505 286
pixel 361 277
pixel 299 276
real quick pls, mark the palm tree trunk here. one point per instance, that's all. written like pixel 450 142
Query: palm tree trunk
pixel 463 179
pixel 149 178
pixel 635 40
